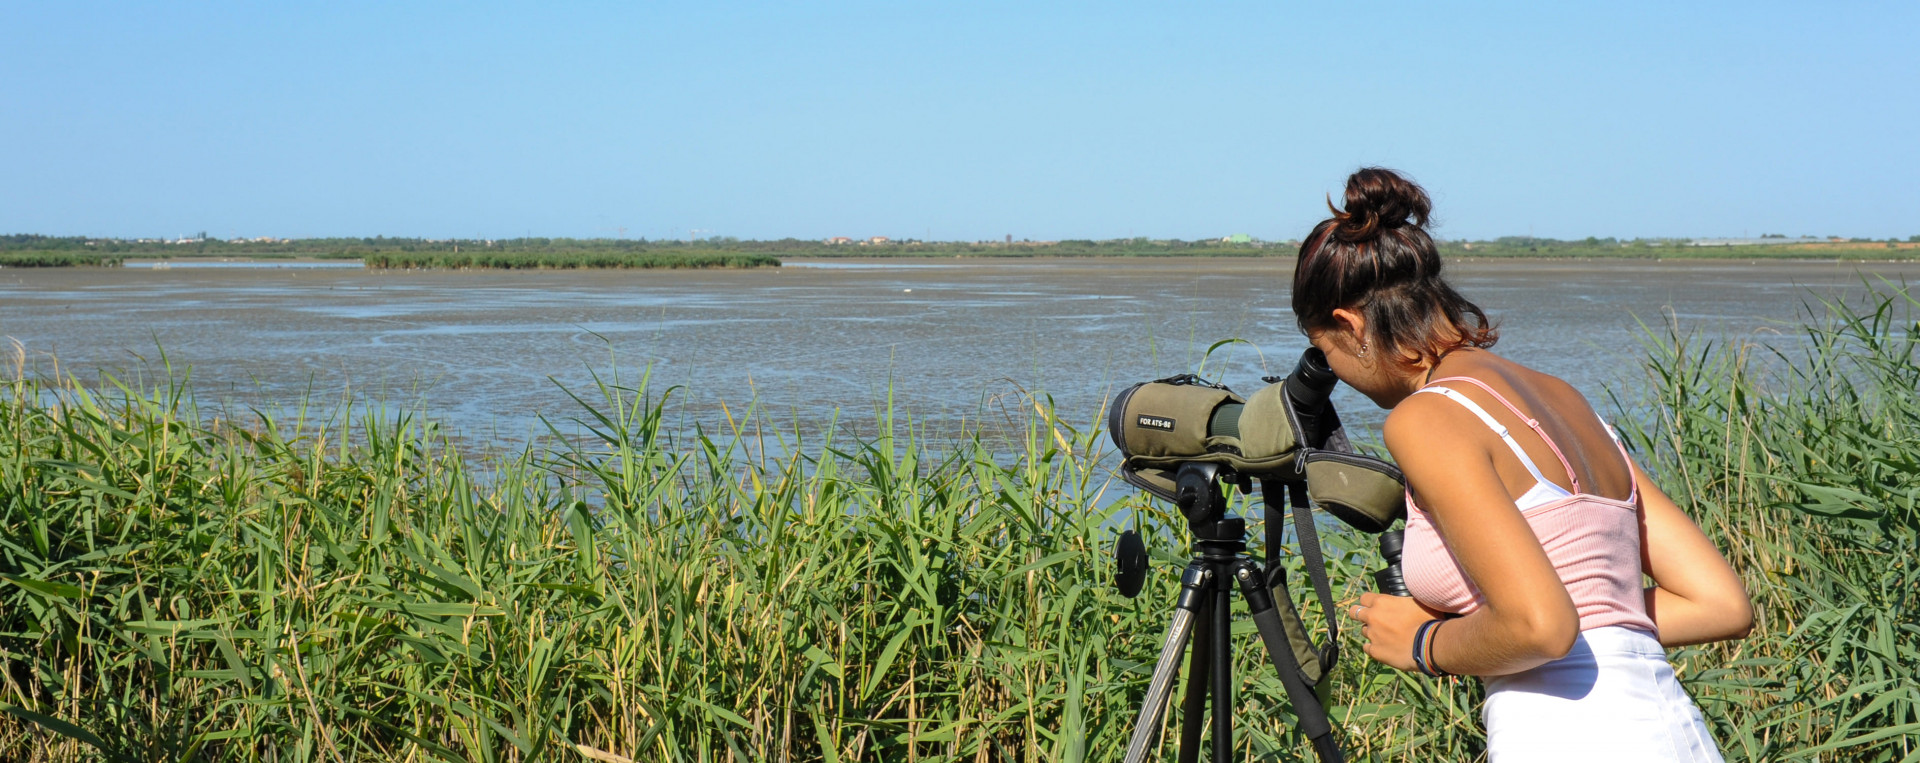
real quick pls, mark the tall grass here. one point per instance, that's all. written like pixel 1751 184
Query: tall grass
pixel 58 260
pixel 1802 460
pixel 174 585
pixel 514 260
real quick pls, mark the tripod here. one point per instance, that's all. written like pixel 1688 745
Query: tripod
pixel 1202 616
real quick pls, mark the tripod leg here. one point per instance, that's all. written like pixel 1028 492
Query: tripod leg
pixel 1193 703
pixel 1222 671
pixel 1312 716
pixel 1147 728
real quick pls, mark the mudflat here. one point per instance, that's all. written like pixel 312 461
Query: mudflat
pixel 950 338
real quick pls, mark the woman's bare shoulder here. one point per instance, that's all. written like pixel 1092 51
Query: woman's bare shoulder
pixel 1423 421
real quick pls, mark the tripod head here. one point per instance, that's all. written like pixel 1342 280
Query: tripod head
pixel 1200 494
pixel 1202 499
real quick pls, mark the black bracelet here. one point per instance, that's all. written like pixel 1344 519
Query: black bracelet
pixel 1420 647
pixel 1433 665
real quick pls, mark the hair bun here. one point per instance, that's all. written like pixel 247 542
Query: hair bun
pixel 1377 200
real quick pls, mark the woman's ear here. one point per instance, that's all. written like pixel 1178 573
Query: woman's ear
pixel 1353 324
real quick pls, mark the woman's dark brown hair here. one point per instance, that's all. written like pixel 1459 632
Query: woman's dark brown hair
pixel 1375 258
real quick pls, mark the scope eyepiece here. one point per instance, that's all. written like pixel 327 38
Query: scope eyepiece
pixel 1308 389
pixel 1314 373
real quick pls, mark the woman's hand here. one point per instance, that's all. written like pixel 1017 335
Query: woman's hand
pixel 1387 624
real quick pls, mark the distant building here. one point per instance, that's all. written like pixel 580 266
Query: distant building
pixel 1237 238
pixel 877 240
pixel 839 240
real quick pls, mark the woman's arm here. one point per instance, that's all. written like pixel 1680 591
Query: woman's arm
pixel 1697 598
pixel 1528 618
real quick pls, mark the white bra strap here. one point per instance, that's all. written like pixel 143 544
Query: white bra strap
pixel 1634 494
pixel 1496 426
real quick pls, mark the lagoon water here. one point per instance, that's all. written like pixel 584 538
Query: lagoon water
pixel 813 342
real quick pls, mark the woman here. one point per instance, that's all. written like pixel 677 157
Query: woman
pixel 1528 528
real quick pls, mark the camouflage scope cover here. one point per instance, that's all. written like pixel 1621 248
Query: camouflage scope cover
pixel 1162 424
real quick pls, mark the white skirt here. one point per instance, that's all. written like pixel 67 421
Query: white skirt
pixel 1612 698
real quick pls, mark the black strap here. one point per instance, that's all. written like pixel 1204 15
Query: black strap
pixel 1310 714
pixel 1309 537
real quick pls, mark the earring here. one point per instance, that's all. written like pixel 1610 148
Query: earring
pixel 1365 347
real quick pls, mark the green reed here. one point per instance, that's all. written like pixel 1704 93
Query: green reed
pixel 175 585
pixel 519 260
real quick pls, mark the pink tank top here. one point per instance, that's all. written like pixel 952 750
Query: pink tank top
pixel 1592 541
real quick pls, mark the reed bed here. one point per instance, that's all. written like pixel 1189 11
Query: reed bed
pixel 1800 457
pixel 519 260
pixel 59 260
pixel 179 586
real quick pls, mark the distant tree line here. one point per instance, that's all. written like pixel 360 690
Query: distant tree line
pixel 1530 246
pixel 362 248
pixel 357 248
pixel 43 259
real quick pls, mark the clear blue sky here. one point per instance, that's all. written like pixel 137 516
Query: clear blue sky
pixel 953 121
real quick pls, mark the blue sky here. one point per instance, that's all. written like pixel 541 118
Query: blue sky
pixel 953 120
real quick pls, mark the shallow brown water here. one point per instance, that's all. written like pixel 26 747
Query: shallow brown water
pixel 950 338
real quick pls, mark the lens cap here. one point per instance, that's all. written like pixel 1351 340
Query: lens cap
pixel 1130 558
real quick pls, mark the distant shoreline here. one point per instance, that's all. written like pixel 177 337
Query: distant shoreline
pixel 538 252
pixel 682 256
